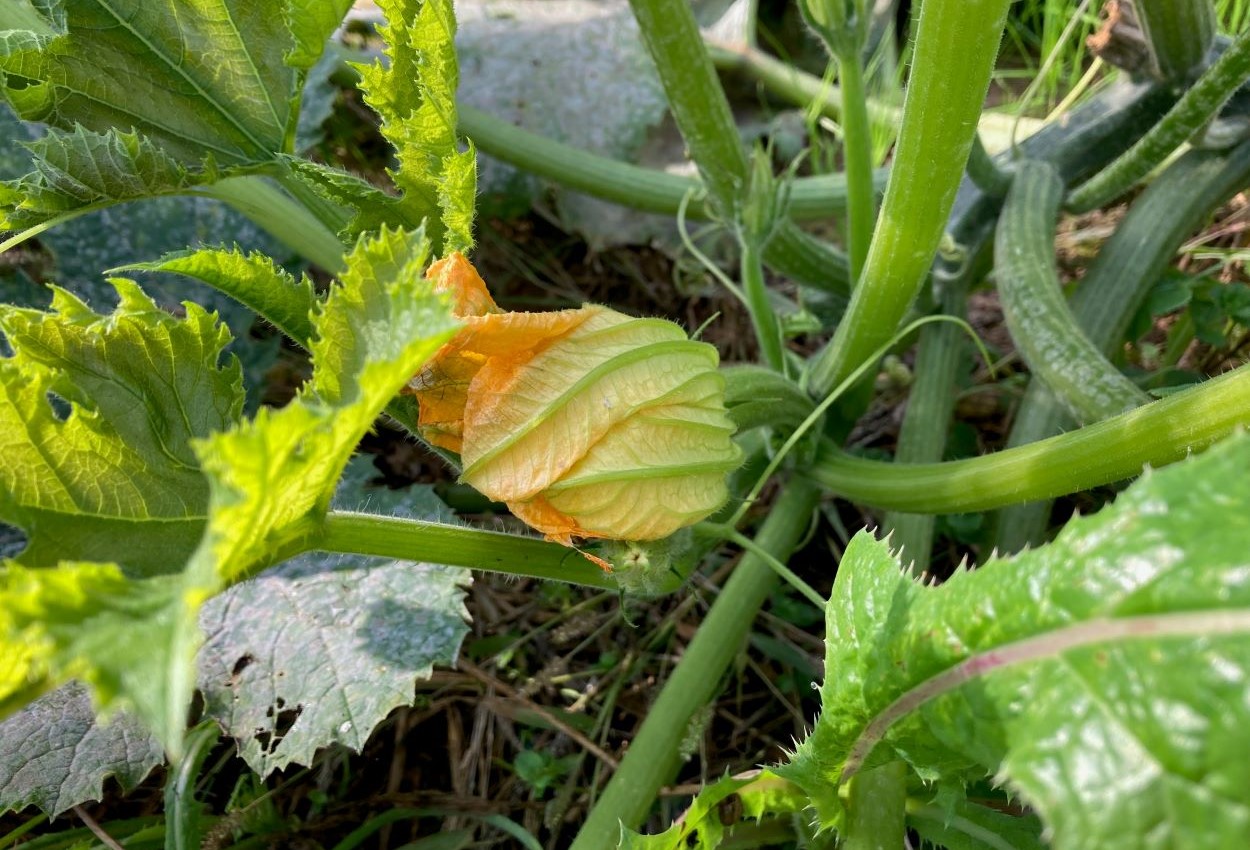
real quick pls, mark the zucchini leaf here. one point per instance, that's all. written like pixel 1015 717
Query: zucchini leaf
pixel 358 627
pixel 146 98
pixel 1101 677
pixel 252 279
pixel 414 92
pixel 56 756
pixel 142 494
pixel 82 471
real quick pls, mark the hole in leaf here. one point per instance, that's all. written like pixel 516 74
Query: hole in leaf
pixel 12 541
pixel 61 408
pixel 242 664
pixel 283 720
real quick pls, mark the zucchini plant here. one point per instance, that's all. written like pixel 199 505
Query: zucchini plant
pixel 178 549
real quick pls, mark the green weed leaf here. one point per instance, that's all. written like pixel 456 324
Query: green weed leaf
pixel 415 95
pixel 1101 677
pixel 703 825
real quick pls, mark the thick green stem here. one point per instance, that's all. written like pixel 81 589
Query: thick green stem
pixel 861 211
pixel 1197 106
pixel 956 47
pixel 702 113
pixel 458 546
pixel 877 809
pixel 653 756
pixel 646 189
pixel 695 97
pixel 1043 328
pixel 986 173
pixel 757 397
pixel 807 260
pixel 1179 33
pixel 1112 450
pixel 279 214
pixel 930 406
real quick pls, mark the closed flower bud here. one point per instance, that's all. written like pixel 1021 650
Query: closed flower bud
pixel 587 422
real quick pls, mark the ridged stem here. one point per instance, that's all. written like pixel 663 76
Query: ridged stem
pixel 926 422
pixel 1200 103
pixel 955 51
pixel 1143 246
pixel 702 114
pixel 695 97
pixel 1112 450
pixel 764 320
pixel 1043 328
pixel 861 210
pixel 1179 33
pixel 653 756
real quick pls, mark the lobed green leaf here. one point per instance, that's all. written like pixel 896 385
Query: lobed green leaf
pixel 1101 677
pixel 357 627
pixel 98 412
pixel 147 98
pixel 149 498
pixel 253 280
pixel 57 756
pixel 702 827
pixel 414 92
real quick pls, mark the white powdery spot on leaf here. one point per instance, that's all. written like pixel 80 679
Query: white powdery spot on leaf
pixel 320 649
pixel 54 755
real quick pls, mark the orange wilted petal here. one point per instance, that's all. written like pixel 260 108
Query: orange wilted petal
pixel 539 514
pixel 455 275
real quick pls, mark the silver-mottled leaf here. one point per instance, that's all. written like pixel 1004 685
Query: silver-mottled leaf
pixel 320 649
pixel 54 755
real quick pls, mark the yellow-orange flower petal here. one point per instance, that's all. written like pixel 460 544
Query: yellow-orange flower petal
pixel 587 422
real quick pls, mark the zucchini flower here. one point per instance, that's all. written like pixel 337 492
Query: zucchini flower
pixel 587 423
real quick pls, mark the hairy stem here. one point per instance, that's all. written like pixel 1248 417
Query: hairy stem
pixel 956 47
pixel 767 328
pixel 457 546
pixel 652 759
pixel 289 221
pixel 1197 106
pixel 695 97
pixel 1112 450
pixel 857 160
pixel 927 419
